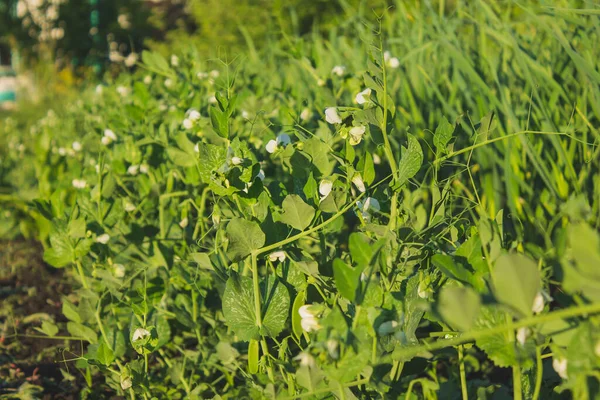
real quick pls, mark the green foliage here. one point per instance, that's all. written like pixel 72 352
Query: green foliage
pixel 271 229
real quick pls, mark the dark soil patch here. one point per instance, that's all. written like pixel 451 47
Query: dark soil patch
pixel 31 291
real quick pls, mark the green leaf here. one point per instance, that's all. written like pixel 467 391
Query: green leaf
pixel 360 249
pixel 498 346
pixel 442 135
pixel 239 308
pixel 70 311
pixel 585 249
pixel 104 354
pixel 459 306
pixel 411 161
pixel 318 153
pixel 299 301
pixel 220 122
pixel 516 281
pixel 181 158
pixel 296 213
pixel 244 237
pixel 48 328
pixel 346 279
pixel 81 331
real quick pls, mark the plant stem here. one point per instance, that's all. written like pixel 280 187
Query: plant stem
pixel 463 374
pixel 255 282
pixel 82 275
pixel 539 370
pixel 467 337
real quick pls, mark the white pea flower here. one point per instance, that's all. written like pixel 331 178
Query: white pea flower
pixel 309 321
pixel 188 123
pixel 126 383
pixel 115 56
pixel 325 187
pixel 363 97
pixel 331 116
pixel 201 75
pixel 522 334
pixel 387 55
pixel 103 239
pixel 369 206
pixel 356 133
pixel 147 79
pixel 358 182
pixel 388 328
pixel 133 169
pixel 305 114
pixel 538 303
pixel 560 366
pixel 174 60
pixel 184 223
pixel 140 333
pixel 119 270
pixel 236 160
pixel 110 135
pixel 193 114
pixel 332 348
pixel 76 146
pixel 320 82
pixel 423 290
pixel 106 140
pixel 376 159
pixel 277 255
pixel 99 89
pixel 79 183
pixel 129 207
pixel 123 91
pixel 144 168
pixel 393 63
pixel 338 70
pixel 168 82
pixel 212 99
pixel 214 73
pixel 197 148
pixel 261 175
pixel 282 140
pixel 62 151
pixel 245 114
pixel 306 359
pixel 131 59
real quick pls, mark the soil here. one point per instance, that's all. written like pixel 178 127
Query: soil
pixel 31 291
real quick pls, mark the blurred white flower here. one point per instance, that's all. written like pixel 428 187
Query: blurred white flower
pixel 522 334
pixel 119 270
pixel 188 123
pixel 538 303
pixel 99 89
pixel 305 114
pixel 129 207
pixel 133 169
pixel 245 114
pixel 184 223
pixel 261 175
pixel 309 320
pixel 115 56
pixel 79 183
pixel 212 99
pixel 144 168
pixel 356 134
pixel 57 33
pixel 363 97
pixel 126 383
pixel 197 148
pixel 368 207
pixel 376 159
pixel 21 9
pixel 306 359
pixel 109 137
pixel 236 160
pixel 123 91
pixel 214 73
pixel 325 187
pixel 123 20
pixel 320 82
pixel 174 60
pixel 358 182
pixel 560 366
pixel 76 146
pixel 388 328
pixel 338 70
pixel 140 333
pixel 332 348
pixel 131 59
pixel 168 82
pixel 390 61
pixel 282 141
pixel 202 75
pixel 103 239
pixel 331 116
pixel 277 255
pixel 62 151
pixel 193 114
pixel 147 79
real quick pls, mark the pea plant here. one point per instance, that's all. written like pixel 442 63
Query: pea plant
pixel 238 233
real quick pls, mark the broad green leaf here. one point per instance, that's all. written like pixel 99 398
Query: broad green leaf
pixel 318 155
pixel 455 270
pixel 497 346
pixel 411 161
pixel 585 249
pixel 346 278
pixel 239 310
pixel 181 158
pixel 459 306
pixel 516 281
pixel 104 354
pixel 70 311
pixel 360 249
pixel 203 260
pixel 48 328
pixel 220 122
pixel 442 135
pixel 244 237
pixel 296 213
pixel 81 331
